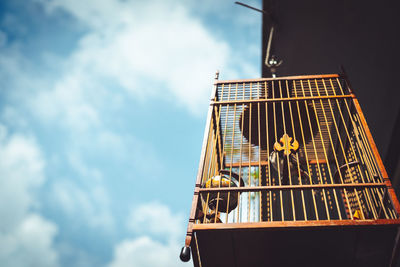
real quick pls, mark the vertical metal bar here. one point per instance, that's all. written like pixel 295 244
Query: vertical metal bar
pixel 278 163
pixel 351 147
pixel 240 165
pixel 195 200
pixel 313 142
pixel 358 148
pixel 373 169
pixel 363 153
pixel 269 193
pixel 368 171
pixel 297 155
pixel 223 151
pixel 341 145
pixel 305 151
pixel 213 162
pixel 249 171
pixel 222 92
pixel 353 123
pixel 287 156
pixel 207 159
pixel 233 145
pixel 259 154
pixel 209 163
pixel 372 172
pixel 343 149
pixel 333 149
pixel 216 170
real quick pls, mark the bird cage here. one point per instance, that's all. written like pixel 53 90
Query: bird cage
pixel 289 175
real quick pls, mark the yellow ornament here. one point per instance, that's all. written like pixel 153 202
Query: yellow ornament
pixel 287 145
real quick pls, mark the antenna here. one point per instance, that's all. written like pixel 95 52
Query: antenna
pixel 256 9
pixel 270 60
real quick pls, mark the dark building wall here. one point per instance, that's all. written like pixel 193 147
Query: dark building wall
pixel 314 37
pixel 392 159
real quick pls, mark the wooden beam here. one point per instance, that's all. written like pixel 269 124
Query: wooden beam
pixel 378 158
pixel 294 224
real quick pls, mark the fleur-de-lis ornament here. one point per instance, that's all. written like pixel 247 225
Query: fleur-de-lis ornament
pixel 288 145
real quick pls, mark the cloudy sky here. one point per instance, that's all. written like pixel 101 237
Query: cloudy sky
pixel 102 111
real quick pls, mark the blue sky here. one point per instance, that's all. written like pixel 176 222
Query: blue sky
pixel 102 111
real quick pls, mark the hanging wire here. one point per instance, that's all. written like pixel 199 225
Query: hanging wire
pixel 270 60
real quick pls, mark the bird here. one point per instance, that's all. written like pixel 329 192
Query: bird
pixel 223 201
pixel 279 163
pixel 212 217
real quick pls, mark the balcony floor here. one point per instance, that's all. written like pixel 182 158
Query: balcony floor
pixel 368 245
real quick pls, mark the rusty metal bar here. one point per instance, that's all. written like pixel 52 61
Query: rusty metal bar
pixel 280 99
pixel 320 76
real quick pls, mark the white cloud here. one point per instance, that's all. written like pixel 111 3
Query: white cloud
pixel 93 12
pixel 26 238
pixel 67 103
pixel 156 219
pixel 145 252
pixel 21 171
pixel 30 243
pixel 83 205
pixel 85 200
pixel 78 255
pixel 151 50
pixel 152 221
